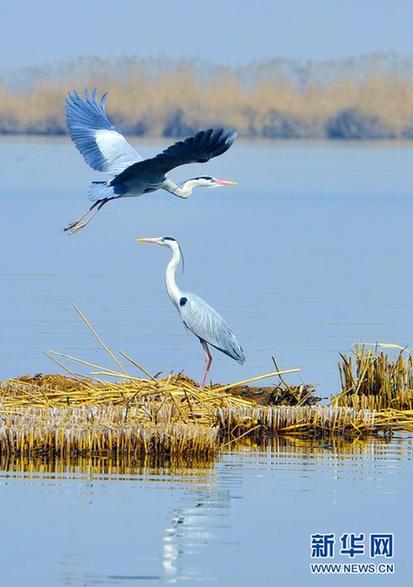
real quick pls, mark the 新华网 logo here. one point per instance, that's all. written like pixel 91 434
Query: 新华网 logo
pixel 345 549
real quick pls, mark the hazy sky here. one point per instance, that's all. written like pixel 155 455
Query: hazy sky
pixel 219 30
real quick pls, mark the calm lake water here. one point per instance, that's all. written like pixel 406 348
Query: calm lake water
pixel 310 253
pixel 244 521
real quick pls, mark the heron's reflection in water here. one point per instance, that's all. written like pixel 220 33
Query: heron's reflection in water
pixel 199 524
pixel 192 528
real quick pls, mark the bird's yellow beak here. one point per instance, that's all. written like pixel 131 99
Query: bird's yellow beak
pixel 143 239
pixel 225 182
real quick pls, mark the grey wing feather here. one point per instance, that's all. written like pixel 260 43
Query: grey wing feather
pixel 100 143
pixel 200 148
pixel 205 322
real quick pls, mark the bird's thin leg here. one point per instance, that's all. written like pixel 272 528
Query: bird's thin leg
pixel 86 218
pixel 208 362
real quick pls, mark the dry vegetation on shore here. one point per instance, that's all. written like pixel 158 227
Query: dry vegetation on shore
pixel 369 98
pixel 59 417
pixel 115 414
pixel 139 417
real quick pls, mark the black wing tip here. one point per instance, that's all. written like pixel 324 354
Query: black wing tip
pixel 224 138
pixel 218 132
pixel 212 142
pixel 231 136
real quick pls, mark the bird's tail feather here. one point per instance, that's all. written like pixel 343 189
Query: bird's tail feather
pixel 233 350
pixel 101 190
pixel 238 353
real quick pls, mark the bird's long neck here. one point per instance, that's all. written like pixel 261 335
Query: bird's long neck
pixel 182 191
pixel 173 290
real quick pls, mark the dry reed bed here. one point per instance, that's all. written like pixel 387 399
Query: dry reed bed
pixel 314 421
pixel 103 430
pixel 130 420
pixel 364 102
pixel 370 379
pixel 61 415
pixel 77 415
pixel 133 417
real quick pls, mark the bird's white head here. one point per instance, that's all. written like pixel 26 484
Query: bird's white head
pixel 166 241
pixel 206 181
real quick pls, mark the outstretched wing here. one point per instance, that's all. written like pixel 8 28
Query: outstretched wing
pixel 102 146
pixel 200 148
pixel 203 321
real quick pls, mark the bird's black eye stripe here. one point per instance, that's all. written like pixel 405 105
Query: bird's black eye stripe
pixel 183 301
pixel 207 177
pixel 168 238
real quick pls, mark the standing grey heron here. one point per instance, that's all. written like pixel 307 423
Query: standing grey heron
pixel 198 316
pixel 104 148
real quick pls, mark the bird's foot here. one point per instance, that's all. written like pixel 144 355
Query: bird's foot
pixel 75 227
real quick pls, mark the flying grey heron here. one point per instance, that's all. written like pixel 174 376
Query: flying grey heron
pixel 198 316
pixel 105 149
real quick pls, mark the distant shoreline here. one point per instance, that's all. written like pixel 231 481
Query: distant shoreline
pixel 360 137
pixel 348 124
pixel 366 98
